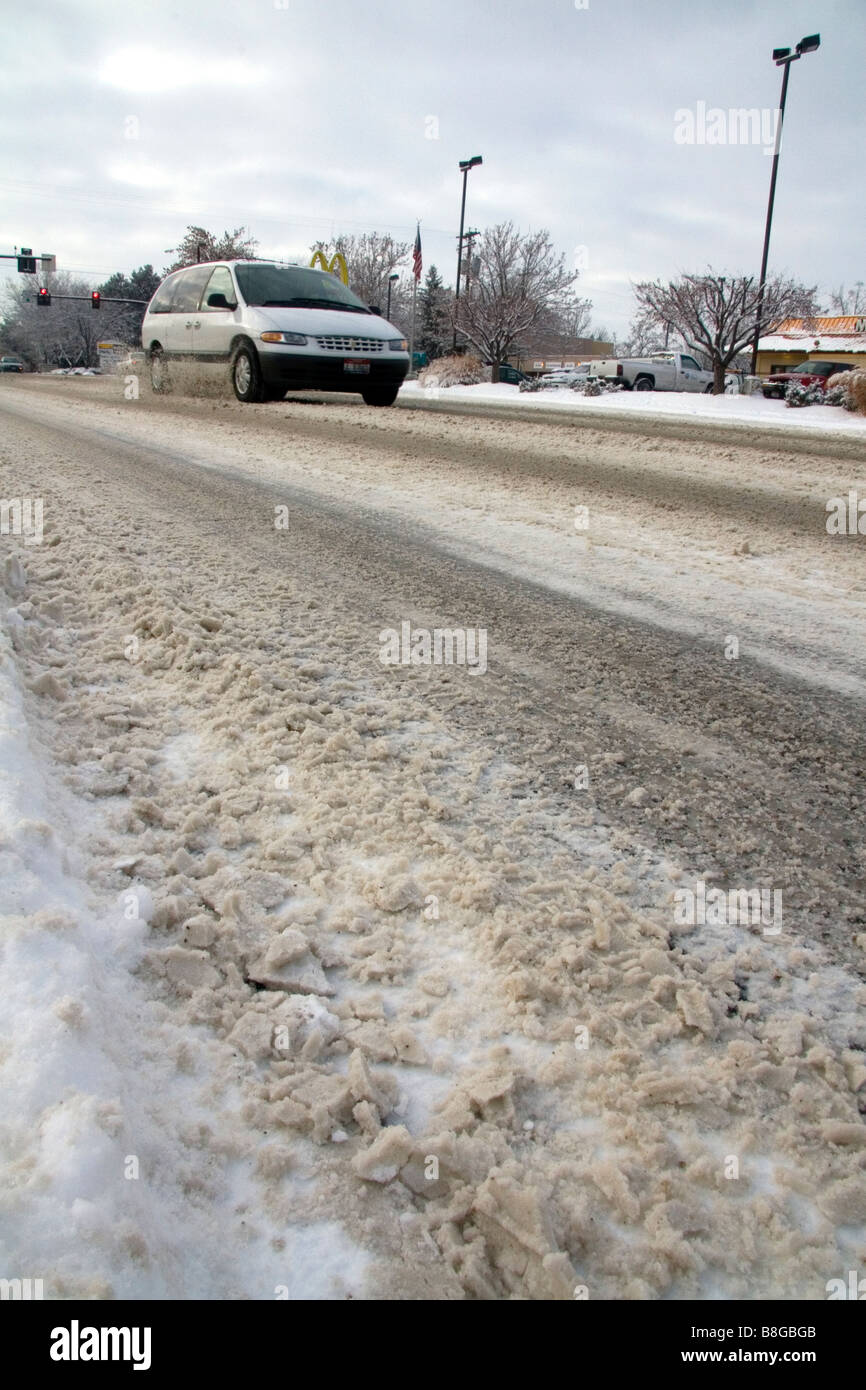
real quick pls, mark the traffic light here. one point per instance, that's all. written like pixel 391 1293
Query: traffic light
pixel 44 298
pixel 95 300
pixel 27 261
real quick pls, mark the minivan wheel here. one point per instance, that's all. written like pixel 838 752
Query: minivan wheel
pixel 160 379
pixel 380 395
pixel 246 374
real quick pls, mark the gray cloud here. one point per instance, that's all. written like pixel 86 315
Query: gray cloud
pixel 314 118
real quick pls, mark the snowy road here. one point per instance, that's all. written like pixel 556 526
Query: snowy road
pixel 415 1015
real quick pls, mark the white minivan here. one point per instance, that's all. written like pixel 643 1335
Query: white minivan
pixel 276 328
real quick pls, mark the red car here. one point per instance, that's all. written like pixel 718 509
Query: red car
pixel 807 374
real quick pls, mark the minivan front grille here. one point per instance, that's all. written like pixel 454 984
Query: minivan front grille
pixel 351 344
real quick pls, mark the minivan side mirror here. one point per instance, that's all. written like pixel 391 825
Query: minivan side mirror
pixel 375 309
pixel 219 301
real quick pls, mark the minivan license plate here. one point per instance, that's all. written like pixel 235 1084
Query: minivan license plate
pixel 360 367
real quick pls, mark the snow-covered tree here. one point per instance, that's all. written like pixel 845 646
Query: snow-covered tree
pixel 520 281
pixel 853 301
pixel 717 314
pixel 63 335
pixel 370 259
pixel 645 335
pixel 199 244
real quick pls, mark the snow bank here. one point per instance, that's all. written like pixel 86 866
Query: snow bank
pixel 106 1190
pixel 753 410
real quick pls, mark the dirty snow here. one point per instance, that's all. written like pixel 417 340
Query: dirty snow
pixel 380 1023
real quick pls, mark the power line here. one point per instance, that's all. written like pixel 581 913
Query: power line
pixel 107 200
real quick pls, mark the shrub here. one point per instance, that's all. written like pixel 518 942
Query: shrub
pixel 799 395
pixel 836 390
pixel 838 379
pixel 453 371
pixel 857 390
pixel 836 395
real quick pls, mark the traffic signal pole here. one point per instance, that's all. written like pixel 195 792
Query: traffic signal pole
pixel 89 299
pixel 27 261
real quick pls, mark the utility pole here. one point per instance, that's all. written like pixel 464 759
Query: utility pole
pixel 469 238
pixel 465 166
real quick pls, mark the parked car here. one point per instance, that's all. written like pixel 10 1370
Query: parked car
pixel 661 371
pixel 11 364
pixel 566 376
pixel 511 375
pixel 807 374
pixel 274 327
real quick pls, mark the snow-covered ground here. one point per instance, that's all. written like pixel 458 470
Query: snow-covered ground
pixel 366 1014
pixel 106 1100
pixel 755 410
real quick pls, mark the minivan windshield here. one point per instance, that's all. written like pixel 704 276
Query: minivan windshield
pixel 296 287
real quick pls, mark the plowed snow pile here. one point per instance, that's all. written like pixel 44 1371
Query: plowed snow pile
pixel 368 1023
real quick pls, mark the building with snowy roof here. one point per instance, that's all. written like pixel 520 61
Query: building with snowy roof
pixel 839 339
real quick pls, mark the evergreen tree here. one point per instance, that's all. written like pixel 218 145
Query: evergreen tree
pixel 434 325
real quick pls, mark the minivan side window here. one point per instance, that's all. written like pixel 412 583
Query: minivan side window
pixel 188 293
pixel 161 302
pixel 219 283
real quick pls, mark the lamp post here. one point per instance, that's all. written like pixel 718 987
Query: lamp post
pixel 783 58
pixel 391 279
pixel 465 166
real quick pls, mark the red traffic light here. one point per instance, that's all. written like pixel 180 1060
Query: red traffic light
pixel 43 297
pixel 95 299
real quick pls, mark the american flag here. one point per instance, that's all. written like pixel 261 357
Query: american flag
pixel 417 262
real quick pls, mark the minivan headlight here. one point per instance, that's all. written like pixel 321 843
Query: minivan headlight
pixel 398 345
pixel 292 339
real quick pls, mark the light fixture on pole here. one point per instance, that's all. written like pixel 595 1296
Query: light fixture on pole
pixel 783 58
pixel 391 279
pixel 465 166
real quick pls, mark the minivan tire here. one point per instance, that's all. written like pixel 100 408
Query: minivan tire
pixel 160 379
pixel 380 395
pixel 246 374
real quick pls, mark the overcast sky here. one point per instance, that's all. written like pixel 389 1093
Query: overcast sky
pixel 299 119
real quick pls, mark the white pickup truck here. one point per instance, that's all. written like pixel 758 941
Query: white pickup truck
pixel 661 371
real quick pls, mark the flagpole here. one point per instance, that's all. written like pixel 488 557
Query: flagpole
pixel 417 263
pixel 412 343
pixel 415 278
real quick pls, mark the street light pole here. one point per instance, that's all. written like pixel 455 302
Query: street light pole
pixel 391 279
pixel 783 58
pixel 465 166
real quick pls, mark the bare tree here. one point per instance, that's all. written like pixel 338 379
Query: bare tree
pixel 199 244
pixel 852 301
pixel 567 318
pixel 520 280
pixel 65 334
pixel 370 259
pixel 717 314
pixel 645 335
